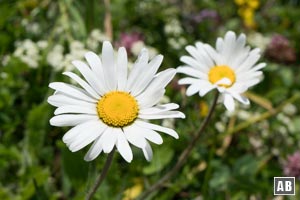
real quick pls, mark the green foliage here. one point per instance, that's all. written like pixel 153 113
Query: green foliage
pixel 164 156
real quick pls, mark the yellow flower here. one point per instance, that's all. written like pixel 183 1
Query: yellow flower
pixel 134 191
pixel 247 13
pixel 203 108
pixel 239 2
pixel 250 23
pixel 253 4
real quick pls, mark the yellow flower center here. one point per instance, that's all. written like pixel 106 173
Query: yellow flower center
pixel 217 73
pixel 117 109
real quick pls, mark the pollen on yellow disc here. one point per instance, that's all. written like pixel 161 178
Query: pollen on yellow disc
pixel 117 109
pixel 219 72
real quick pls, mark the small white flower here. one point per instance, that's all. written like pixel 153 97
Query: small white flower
pixel 42 44
pixel 258 40
pixel 5 59
pixel 230 68
pixel 28 52
pixel 173 27
pixel 113 105
pixel 290 109
pixel 137 47
pixel 177 43
pixel 55 57
pixel 95 38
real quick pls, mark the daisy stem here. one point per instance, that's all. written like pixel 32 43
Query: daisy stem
pixel 184 155
pixel 103 174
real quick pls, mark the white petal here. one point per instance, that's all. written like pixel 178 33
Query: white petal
pixel 222 89
pixel 229 46
pixel 134 135
pixel 155 89
pixel 86 136
pixel 94 81
pixel 73 132
pixel 193 63
pixel 187 80
pixel 72 91
pixel 155 127
pixel 238 87
pixel 148 153
pixel 144 79
pixel 205 88
pixel 219 44
pixel 229 102
pixel 148 99
pixel 193 52
pixel 94 150
pixel 137 69
pixel 258 67
pixel 253 57
pixel 223 81
pixel 123 146
pixel 212 54
pixel 83 84
pixel 206 61
pixel 152 136
pixel 109 67
pixel 159 108
pixel 109 139
pixel 192 72
pixel 122 68
pixel 239 51
pixel 161 79
pixel 63 100
pixel 71 120
pixel 76 109
pixel 250 83
pixel 163 115
pixel 249 75
pixel 94 62
pixel 192 89
pixel 96 65
pixel 241 98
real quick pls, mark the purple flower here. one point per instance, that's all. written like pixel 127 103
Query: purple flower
pixel 128 39
pixel 280 50
pixel 205 14
pixel 291 166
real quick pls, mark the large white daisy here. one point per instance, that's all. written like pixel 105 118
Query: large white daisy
pixel 112 106
pixel 230 68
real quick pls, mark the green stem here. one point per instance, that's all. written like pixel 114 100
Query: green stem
pixel 208 171
pixel 103 174
pixel 259 118
pixel 184 155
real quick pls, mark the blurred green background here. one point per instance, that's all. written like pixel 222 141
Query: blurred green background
pixel 237 156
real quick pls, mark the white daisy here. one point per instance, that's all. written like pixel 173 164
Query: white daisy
pixel 113 106
pixel 230 68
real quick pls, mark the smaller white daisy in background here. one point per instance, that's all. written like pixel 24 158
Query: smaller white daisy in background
pixel 230 68
pixel 113 106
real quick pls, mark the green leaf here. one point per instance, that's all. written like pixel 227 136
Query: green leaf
pixel 246 166
pixel 37 127
pixel 75 169
pixel 162 157
pixel 35 177
pixel 220 178
pixel 296 124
